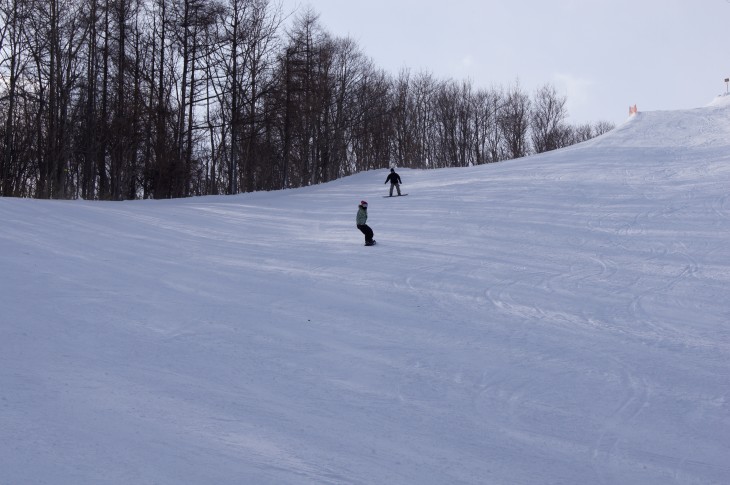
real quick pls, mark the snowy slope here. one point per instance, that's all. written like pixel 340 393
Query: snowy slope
pixel 562 318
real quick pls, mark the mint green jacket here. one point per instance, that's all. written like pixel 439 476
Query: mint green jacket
pixel 362 216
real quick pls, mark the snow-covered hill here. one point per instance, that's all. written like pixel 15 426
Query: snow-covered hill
pixel 562 318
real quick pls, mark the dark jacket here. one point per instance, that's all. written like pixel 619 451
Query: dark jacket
pixel 393 178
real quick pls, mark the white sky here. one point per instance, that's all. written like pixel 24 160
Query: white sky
pixel 604 55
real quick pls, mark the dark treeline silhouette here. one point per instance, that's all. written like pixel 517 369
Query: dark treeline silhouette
pixel 125 99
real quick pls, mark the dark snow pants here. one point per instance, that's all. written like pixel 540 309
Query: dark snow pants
pixel 365 229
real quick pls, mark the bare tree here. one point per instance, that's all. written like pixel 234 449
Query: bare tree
pixel 60 24
pixel 514 121
pixel 14 16
pixel 602 127
pixel 423 92
pixel 487 134
pixel 403 110
pixel 547 118
pixel 446 107
pixel 368 125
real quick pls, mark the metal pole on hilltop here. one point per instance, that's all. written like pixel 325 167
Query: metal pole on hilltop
pixel 727 85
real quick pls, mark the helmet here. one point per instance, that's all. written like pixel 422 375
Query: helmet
pixel 392 170
pixel 363 203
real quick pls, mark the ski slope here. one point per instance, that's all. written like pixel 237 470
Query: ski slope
pixel 558 319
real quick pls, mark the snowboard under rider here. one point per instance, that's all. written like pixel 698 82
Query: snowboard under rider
pixel 362 218
pixel 394 180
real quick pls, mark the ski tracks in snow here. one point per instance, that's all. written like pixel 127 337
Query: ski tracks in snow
pixel 605 451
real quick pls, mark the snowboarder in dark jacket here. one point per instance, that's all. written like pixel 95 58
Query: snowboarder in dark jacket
pixel 361 220
pixel 394 180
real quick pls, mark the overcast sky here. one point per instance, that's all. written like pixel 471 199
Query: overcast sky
pixel 603 55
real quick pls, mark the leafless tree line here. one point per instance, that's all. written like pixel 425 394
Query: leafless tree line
pixel 125 99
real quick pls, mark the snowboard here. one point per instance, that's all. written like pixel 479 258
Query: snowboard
pixel 401 195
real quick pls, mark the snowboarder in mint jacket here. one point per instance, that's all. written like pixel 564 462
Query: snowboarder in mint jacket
pixel 394 180
pixel 361 220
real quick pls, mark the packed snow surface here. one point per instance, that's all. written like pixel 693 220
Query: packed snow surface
pixel 558 319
